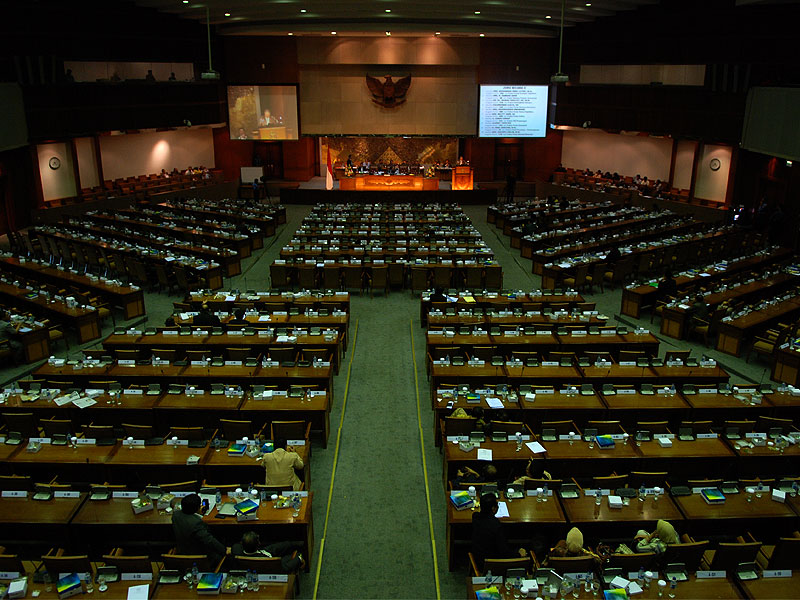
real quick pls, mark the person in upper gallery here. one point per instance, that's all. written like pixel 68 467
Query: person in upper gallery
pixel 172 77
pixel 280 465
pixel 149 76
pixel 667 287
pixel 657 540
pixel 10 333
pixel 289 552
pixel 488 538
pixel 267 120
pixel 638 179
pixel 238 318
pixel 205 317
pixel 191 533
pixel 560 168
pixel 69 77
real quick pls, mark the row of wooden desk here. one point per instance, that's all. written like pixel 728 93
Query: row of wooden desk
pixel 129 298
pixel 96 526
pixel 689 514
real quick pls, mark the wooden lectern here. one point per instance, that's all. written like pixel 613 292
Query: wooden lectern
pixel 272 133
pixel 462 178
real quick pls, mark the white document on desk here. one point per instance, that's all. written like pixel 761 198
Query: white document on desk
pixel 495 403
pixel 536 447
pixel 502 510
pixel 484 454
pixel 139 592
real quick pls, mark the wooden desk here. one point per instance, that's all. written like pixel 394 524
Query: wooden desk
pixel 773 587
pixel 710 406
pixel 583 511
pixel 525 516
pixel 732 334
pixel 315 409
pixel 786 366
pixel 180 591
pixel 131 300
pixel 692 375
pixel 616 373
pixel 116 590
pixel 735 507
pixel 644 402
pixel 388 183
pixel 35 520
pixel 85 322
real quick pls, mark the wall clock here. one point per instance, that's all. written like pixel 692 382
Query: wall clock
pixel 54 162
pixel 714 164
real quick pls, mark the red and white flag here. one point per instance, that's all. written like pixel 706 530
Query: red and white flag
pixel 329 172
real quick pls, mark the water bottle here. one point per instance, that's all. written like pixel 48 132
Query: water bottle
pixel 640 576
pixel 544 493
pixel 219 498
pixel 256 584
pixel 673 586
pixel 519 441
pixel 641 493
pixel 488 577
pixel 195 575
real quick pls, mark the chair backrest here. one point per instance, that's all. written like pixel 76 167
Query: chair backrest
pixel 677 354
pixel 181 486
pixel 459 426
pixel 509 427
pixel 570 564
pixel 188 433
pixel 653 426
pixel 240 353
pixel 610 481
pixel 15 483
pixel 534 484
pixel 764 424
pixel 53 427
pixel 604 427
pixel 260 564
pixel 235 430
pixel 59 563
pixel 165 353
pixel 184 562
pixel 138 432
pixel 729 555
pixel 315 353
pixel 24 423
pixel 560 427
pixel 499 566
pixel 129 564
pixel 786 554
pixel 289 430
pixel 11 563
pixel 647 478
pixel 632 562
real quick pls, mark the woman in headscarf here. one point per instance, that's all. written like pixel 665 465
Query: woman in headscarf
pixel 572 546
pixel 656 541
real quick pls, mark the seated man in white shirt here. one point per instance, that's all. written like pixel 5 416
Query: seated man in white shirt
pixel 280 465
pixel 289 552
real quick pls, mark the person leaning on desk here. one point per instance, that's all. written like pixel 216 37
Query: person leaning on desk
pixel 280 465
pixel 191 533
pixel 488 539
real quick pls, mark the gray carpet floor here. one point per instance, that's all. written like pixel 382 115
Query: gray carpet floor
pixel 378 540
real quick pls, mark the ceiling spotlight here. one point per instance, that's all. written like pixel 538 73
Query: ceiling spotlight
pixel 290 33
pixel 588 4
pixel 548 17
pixel 388 10
pixel 227 14
pixel 333 33
pixel 388 33
pixel 482 35
pixel 477 12
pixel 302 10
pixel 186 1
pixel 438 33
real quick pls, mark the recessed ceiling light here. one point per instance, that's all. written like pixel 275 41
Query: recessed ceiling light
pixel 548 17
pixel 186 1
pixel 482 35
pixel 333 33
pixel 388 33
pixel 290 33
pixel 227 14
pixel 588 4
pixel 302 10
pixel 438 33
pixel 387 10
pixel 477 12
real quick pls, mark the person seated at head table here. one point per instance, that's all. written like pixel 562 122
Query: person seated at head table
pixel 488 538
pixel 280 465
pixel 667 287
pixel 238 318
pixel 657 540
pixel 572 546
pixel 533 470
pixel 465 475
pixel 205 317
pixel 289 552
pixel 191 533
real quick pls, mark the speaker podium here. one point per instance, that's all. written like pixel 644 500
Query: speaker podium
pixel 462 178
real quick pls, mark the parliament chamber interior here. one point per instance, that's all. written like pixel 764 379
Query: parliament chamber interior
pixel 308 299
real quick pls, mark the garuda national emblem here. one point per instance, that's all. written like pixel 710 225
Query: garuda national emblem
pixel 388 93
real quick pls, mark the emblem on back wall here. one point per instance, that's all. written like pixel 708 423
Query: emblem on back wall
pixel 388 93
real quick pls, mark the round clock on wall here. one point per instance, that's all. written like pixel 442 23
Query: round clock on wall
pixel 714 164
pixel 54 162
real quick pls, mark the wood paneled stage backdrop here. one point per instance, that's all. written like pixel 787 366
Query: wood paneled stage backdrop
pixel 381 150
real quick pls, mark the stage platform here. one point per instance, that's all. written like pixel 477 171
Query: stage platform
pixel 335 196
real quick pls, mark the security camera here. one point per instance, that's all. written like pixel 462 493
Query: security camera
pixel 587 124
pixel 187 122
